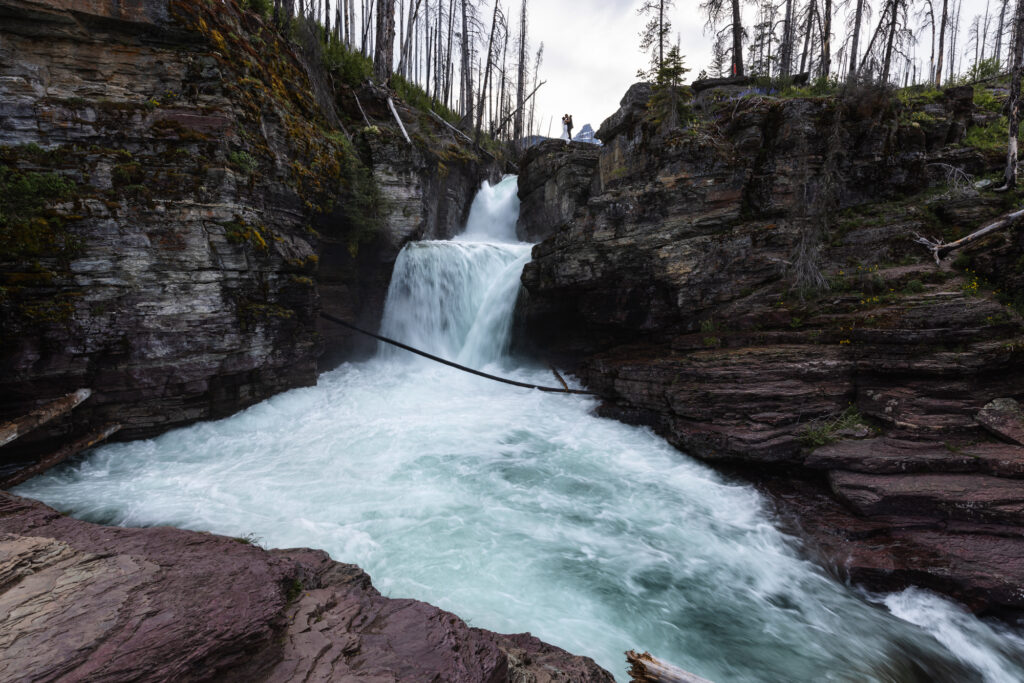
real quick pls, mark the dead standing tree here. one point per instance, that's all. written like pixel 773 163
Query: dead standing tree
pixel 1013 102
pixel 486 76
pixel 716 11
pixel 517 124
pixel 383 56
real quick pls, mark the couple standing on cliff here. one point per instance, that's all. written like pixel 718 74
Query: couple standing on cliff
pixel 567 127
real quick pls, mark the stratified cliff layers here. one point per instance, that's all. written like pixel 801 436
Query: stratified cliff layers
pixel 749 285
pixel 179 197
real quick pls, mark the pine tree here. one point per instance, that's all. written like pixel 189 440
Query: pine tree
pixel 655 35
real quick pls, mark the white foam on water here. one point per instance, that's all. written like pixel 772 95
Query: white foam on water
pixel 519 510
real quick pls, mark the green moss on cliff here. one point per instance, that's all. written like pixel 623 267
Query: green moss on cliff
pixel 29 228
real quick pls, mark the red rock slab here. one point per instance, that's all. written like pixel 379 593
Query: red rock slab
pixel 966 497
pixel 891 456
pixel 80 601
pixel 980 565
pixel 1004 417
pixel 998 459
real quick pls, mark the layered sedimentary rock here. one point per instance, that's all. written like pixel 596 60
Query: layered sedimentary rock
pixel 179 201
pixel 749 285
pixel 86 602
pixel 555 181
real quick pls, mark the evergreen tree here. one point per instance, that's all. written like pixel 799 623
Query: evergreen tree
pixel 655 35
pixel 669 102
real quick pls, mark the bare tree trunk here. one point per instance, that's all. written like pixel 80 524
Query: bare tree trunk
pixel 661 33
pixel 856 39
pixel 808 29
pixel 1013 103
pixel 504 80
pixel 931 23
pixel 786 66
pixel 536 75
pixel 404 52
pixel 737 39
pixel 438 56
pixel 826 41
pixel 384 53
pixel 467 73
pixel 890 39
pixel 954 37
pixel 942 42
pixel 517 125
pixel 1002 29
pixel 448 59
pixel 984 34
pixel 10 431
pixel 487 71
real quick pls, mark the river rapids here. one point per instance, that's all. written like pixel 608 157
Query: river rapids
pixel 523 511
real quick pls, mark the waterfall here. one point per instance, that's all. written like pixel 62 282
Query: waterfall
pixel 455 299
pixel 524 511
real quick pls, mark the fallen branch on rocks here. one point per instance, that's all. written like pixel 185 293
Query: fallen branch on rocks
pixel 362 111
pixel 71 450
pixel 391 103
pixel 941 249
pixel 643 668
pixel 460 134
pixel 23 425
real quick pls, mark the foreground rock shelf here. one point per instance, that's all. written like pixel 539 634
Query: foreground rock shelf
pixel 88 602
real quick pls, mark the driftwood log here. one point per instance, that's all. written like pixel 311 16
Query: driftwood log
pixel 23 425
pixel 643 668
pixel 940 249
pixel 68 451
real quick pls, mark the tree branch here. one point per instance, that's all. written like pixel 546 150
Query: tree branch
pixel 940 249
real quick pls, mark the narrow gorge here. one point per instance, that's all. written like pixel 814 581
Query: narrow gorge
pixel 797 449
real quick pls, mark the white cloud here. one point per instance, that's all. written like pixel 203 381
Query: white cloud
pixel 591 52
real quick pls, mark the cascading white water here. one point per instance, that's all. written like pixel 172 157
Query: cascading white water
pixel 455 298
pixel 523 511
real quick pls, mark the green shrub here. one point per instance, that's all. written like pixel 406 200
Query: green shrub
pixel 24 194
pixel 243 161
pixel 348 66
pixel 914 287
pixel 991 137
pixel 261 7
pixel 986 100
pixel 823 432
pixel 414 96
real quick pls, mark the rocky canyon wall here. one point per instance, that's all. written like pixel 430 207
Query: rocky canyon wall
pixel 749 285
pixel 179 204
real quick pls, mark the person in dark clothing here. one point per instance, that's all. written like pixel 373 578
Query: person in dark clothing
pixel 567 120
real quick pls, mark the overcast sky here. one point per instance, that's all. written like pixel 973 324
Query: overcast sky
pixel 591 52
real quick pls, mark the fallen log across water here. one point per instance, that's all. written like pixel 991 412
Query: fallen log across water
pixel 643 668
pixel 40 416
pixel 71 450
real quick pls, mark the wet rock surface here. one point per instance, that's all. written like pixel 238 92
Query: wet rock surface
pixel 671 293
pixel 85 602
